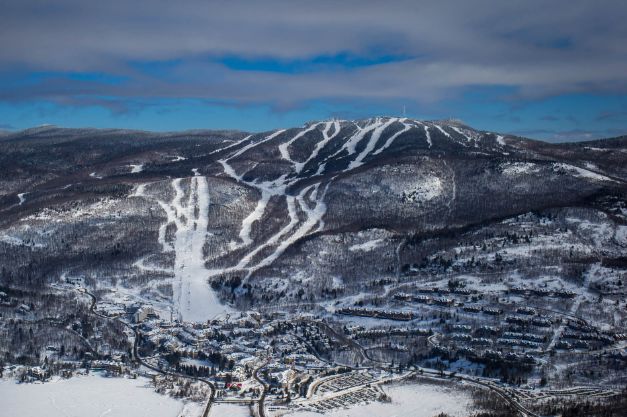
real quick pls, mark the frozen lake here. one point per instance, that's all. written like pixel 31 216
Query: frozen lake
pixel 230 410
pixel 87 396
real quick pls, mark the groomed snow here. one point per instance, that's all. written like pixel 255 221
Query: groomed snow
pixel 195 298
pixel 415 400
pixel 86 396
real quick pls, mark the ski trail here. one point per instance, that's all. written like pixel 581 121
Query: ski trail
pixel 193 298
pixel 314 216
pixel 461 133
pixel 298 166
pixel 253 144
pixel 284 147
pixel 267 189
pixel 428 135
pixel 500 140
pixel 350 145
pixel 291 207
pixel 374 137
pixel 448 135
pixel 392 138
pixel 231 145
pixel 305 210
pixel 247 223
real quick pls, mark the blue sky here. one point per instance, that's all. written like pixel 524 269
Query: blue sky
pixel 559 75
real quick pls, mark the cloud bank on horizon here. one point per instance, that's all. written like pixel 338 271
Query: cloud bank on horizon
pixel 553 70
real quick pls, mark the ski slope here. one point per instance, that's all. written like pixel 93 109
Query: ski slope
pixel 297 191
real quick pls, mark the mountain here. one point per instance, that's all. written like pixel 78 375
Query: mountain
pixel 298 205
pixel 428 222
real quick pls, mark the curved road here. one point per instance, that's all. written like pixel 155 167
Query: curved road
pixel 262 398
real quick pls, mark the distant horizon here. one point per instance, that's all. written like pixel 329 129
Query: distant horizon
pixel 234 129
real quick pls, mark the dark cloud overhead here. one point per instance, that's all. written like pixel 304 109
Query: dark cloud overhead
pixel 286 53
pixel 538 47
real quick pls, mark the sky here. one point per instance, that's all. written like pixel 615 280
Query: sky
pixel 552 70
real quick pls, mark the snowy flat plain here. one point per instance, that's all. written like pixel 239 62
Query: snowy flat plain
pixel 408 400
pixel 86 396
pixel 230 410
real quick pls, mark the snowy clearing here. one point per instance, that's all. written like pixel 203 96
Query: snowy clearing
pixel 136 168
pixel 518 168
pixel 427 189
pixel 367 246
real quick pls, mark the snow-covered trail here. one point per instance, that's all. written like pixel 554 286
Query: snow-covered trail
pixel 306 209
pixel 444 132
pixel 189 264
pixel 193 298
pixel 392 138
pixel 374 137
pixel 428 135
pixel 320 145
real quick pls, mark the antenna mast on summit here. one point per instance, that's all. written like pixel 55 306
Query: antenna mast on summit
pixel 404 111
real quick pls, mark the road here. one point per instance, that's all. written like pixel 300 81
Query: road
pixel 265 387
